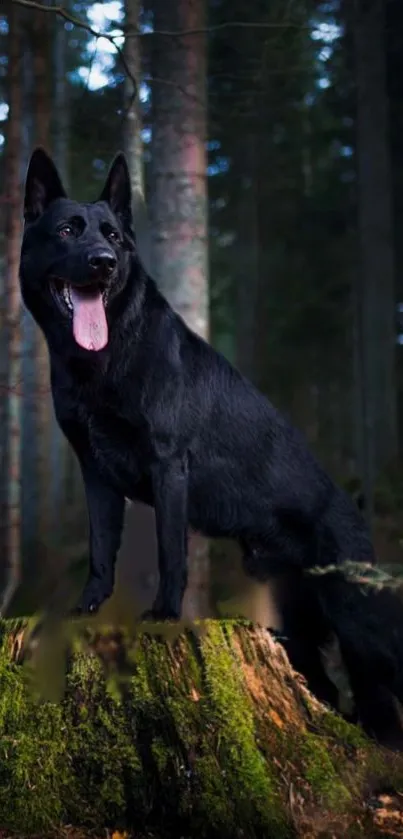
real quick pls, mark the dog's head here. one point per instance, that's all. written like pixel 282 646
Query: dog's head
pixel 74 257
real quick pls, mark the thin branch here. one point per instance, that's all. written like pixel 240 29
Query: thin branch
pixel 129 32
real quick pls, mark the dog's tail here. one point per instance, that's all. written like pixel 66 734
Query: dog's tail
pixel 343 629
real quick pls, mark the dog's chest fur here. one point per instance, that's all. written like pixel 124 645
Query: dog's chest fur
pixel 117 438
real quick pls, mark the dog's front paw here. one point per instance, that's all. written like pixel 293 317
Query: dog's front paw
pixel 92 598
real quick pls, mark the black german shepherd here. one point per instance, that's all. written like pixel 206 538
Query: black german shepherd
pixel 155 414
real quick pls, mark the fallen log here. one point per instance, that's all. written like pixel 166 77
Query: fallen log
pixel 203 732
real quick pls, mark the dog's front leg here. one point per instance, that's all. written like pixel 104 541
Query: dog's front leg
pixel 106 515
pixel 170 490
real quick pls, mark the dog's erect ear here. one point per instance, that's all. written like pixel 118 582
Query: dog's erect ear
pixel 42 185
pixel 117 190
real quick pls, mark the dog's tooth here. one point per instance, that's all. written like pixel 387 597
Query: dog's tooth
pixel 67 297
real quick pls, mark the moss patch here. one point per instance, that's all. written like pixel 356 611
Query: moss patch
pixel 342 731
pixel 248 778
pixel 34 763
pixel 321 773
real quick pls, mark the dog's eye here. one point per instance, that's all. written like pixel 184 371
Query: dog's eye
pixel 113 236
pixel 65 230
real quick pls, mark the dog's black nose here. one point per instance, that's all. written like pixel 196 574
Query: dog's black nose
pixel 102 262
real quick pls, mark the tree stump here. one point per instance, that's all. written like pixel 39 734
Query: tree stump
pixel 200 732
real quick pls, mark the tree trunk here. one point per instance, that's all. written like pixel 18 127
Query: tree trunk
pixel 179 163
pixel 42 375
pixel 376 296
pixel 61 454
pixel 60 107
pixel 132 139
pixel 213 735
pixel 247 288
pixel 13 312
pixel 29 494
pixel 179 194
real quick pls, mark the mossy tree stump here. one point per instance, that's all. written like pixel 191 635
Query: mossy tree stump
pixel 204 733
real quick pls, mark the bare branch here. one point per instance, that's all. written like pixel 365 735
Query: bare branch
pixel 217 27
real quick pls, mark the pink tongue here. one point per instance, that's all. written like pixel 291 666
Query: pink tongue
pixel 89 321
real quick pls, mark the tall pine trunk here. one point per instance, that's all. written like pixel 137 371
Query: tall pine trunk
pixel 179 189
pixel 247 276
pixel 132 138
pixel 13 303
pixel 60 100
pixel 62 459
pixel 375 298
pixel 29 493
pixel 179 193
pixel 42 388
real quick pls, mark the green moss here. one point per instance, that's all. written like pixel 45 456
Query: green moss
pixel 349 735
pixel 33 757
pixel 249 783
pixel 109 764
pixel 210 794
pixel 321 773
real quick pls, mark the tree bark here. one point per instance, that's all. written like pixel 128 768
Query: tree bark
pixel 13 312
pixel 205 733
pixel 179 163
pixel 376 294
pixel 44 410
pixel 247 286
pixel 60 106
pixel 29 494
pixel 61 454
pixel 179 195
pixel 132 139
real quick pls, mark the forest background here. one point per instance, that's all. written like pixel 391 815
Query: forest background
pixel 266 140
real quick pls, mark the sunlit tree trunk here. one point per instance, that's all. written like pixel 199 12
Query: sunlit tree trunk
pixel 13 302
pixel 179 192
pixel 376 295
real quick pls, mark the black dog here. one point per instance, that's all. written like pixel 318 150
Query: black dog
pixel 155 414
